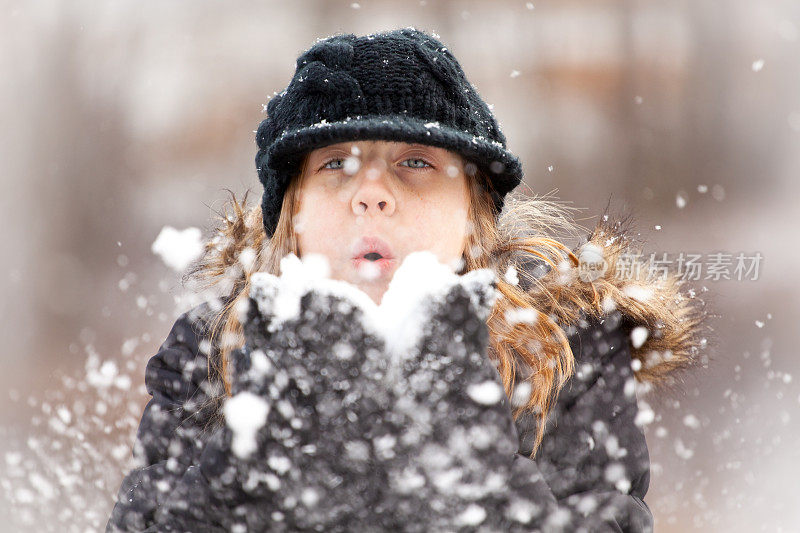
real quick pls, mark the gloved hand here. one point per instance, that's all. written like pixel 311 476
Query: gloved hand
pixel 389 418
pixel 321 374
pixel 454 466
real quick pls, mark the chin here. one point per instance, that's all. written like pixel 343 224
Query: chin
pixel 374 292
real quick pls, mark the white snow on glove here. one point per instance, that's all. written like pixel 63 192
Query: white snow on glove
pixel 419 282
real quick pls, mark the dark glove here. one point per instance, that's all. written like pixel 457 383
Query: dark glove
pixel 455 465
pixel 359 436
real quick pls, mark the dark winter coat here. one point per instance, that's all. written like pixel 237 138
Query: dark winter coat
pixel 591 471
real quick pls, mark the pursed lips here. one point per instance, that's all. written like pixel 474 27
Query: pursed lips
pixel 373 257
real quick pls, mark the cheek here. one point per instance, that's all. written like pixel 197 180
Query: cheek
pixel 317 223
pixel 456 230
pixel 441 226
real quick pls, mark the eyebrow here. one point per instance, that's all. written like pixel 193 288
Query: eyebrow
pixel 422 145
pixel 345 147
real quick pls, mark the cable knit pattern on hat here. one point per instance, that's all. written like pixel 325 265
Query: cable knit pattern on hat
pixel 401 85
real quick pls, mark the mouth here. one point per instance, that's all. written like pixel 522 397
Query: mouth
pixel 373 258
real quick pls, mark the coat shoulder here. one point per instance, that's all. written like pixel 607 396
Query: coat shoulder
pixel 175 423
pixel 181 365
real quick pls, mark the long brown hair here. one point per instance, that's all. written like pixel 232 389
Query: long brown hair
pixel 534 351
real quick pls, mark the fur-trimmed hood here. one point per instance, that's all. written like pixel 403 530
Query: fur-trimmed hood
pixel 666 320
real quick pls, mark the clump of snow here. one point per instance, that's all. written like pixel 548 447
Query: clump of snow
pixel 247 258
pixel 245 413
pixel 645 415
pixel 691 421
pixel 522 511
pixel 592 263
pixel 279 464
pixel 472 516
pixel 521 394
pixel 343 350
pixel 384 446
pixel 407 480
pixel 280 297
pixel 351 165
pixel 64 414
pixel 511 275
pixel 357 450
pixel 608 304
pixel 526 315
pixel 558 520
pixel 309 497
pixel 630 387
pixel 587 504
pixel 106 374
pixel 615 473
pixel 486 393
pixel 639 335
pixel 638 292
pixel 260 365
pixel 178 248
pixel 564 268
pixel 419 282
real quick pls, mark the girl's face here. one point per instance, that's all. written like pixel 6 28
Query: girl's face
pixel 366 205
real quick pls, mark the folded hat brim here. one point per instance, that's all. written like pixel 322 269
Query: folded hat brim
pixel 501 166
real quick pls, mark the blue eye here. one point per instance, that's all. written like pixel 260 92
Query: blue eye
pixel 337 160
pixel 416 160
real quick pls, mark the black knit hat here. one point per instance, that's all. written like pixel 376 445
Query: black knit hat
pixel 401 85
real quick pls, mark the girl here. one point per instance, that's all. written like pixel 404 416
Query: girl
pixel 378 148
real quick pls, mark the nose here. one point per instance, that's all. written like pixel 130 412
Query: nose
pixel 373 196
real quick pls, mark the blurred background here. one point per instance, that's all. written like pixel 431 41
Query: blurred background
pixel 124 118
